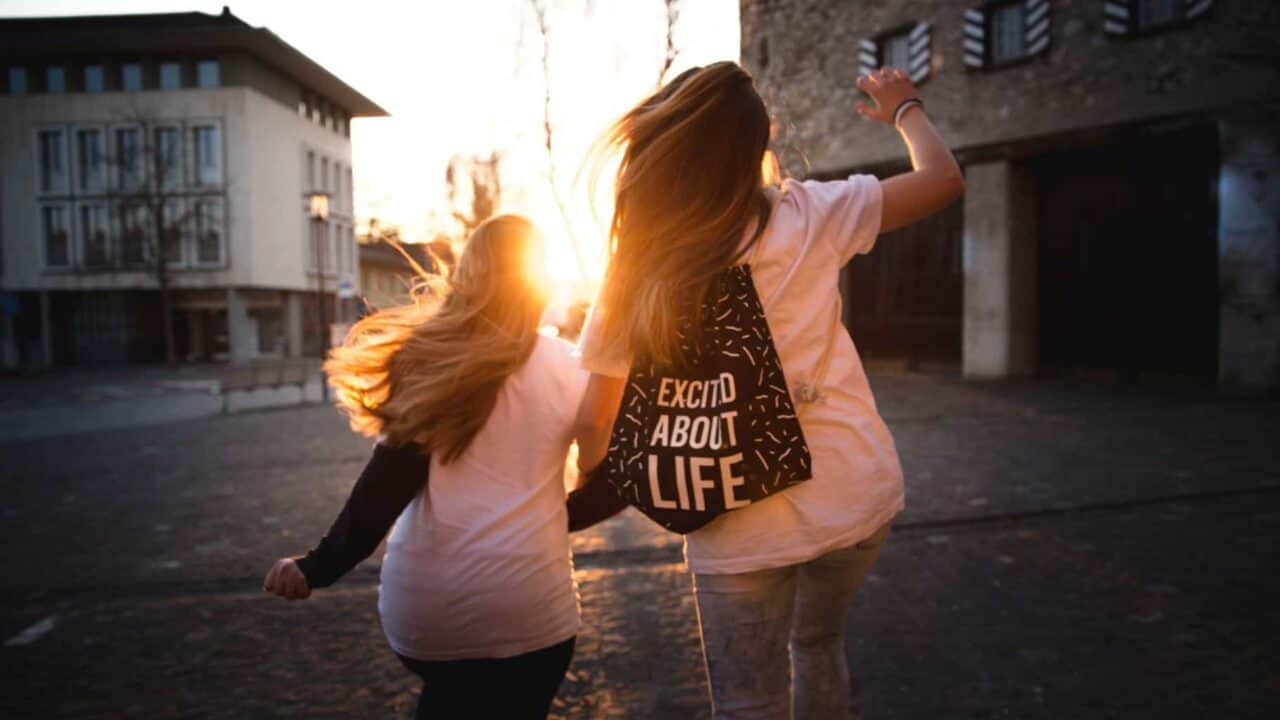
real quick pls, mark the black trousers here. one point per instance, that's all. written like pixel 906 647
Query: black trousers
pixel 515 688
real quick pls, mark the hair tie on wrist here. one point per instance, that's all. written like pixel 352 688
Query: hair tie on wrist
pixel 903 106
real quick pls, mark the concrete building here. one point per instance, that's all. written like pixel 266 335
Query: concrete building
pixel 1122 215
pixel 189 136
pixel 386 277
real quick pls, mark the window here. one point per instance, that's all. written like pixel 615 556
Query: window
pixel 53 161
pixel 93 235
pixel 131 76
pixel 170 76
pixel 907 47
pixel 351 190
pixel 133 235
pixel 324 174
pixel 167 162
pixel 337 186
pixel 55 79
pixel 128 157
pixel 893 50
pixel 330 248
pixel 53 226
pixel 94 78
pixel 89 160
pixel 313 258
pixel 1154 13
pixel 1001 32
pixel 209 232
pixel 1128 17
pixel 1007 32
pixel 17 80
pixel 350 243
pixel 206 155
pixel 172 221
pixel 339 260
pixel 311 170
pixel 208 74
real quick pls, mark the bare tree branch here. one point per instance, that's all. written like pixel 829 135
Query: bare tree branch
pixel 485 188
pixel 146 191
pixel 540 8
pixel 673 15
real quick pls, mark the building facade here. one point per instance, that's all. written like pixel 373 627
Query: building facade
pixel 173 151
pixel 386 276
pixel 1121 215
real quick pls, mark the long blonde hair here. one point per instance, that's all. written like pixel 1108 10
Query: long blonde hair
pixel 689 186
pixel 430 372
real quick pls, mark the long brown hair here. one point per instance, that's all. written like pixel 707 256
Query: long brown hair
pixel 430 372
pixel 689 185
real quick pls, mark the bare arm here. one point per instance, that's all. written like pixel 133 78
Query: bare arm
pixel 935 180
pixel 595 418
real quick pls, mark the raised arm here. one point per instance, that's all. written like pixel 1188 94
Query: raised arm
pixel 935 180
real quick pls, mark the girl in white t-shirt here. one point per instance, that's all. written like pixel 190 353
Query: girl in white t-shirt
pixel 477 593
pixel 691 200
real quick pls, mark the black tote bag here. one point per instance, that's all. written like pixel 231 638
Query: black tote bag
pixel 715 432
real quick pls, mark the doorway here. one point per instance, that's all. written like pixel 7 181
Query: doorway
pixel 1128 261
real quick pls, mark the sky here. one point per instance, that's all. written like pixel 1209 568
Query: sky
pixel 465 77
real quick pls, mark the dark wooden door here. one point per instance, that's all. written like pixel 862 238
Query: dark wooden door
pixel 1128 257
pixel 904 299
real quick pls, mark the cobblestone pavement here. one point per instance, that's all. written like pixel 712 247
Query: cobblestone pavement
pixel 1069 551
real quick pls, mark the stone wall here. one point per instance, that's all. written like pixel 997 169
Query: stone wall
pixel 804 55
pixel 1249 248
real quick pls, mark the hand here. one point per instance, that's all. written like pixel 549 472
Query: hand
pixel 887 86
pixel 286 580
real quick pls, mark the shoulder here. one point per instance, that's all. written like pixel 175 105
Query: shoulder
pixel 557 353
pixel 821 196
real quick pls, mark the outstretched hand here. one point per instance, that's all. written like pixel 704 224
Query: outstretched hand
pixel 286 580
pixel 887 87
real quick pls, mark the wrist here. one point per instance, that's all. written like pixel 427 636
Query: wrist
pixel 904 107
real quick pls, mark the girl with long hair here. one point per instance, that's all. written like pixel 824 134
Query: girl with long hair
pixel 477 594
pixel 772 579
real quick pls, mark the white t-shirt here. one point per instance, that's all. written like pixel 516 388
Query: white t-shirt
pixel 478 565
pixel 814 230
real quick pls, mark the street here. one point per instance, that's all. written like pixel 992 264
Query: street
pixel 1068 551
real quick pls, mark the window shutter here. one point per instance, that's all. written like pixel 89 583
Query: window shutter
pixel 975 37
pixel 1116 17
pixel 1196 8
pixel 868 56
pixel 920 53
pixel 1037 26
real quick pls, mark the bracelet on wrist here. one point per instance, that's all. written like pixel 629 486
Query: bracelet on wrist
pixel 904 106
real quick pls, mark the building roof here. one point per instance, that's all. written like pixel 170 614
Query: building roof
pixel 169 32
pixel 381 254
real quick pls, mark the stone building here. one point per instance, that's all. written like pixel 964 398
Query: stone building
pixel 1121 216
pixel 187 136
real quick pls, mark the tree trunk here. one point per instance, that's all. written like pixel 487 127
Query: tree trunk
pixel 162 277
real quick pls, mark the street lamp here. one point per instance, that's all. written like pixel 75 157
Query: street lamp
pixel 319 203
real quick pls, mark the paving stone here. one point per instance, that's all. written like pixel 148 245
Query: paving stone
pixel 1067 551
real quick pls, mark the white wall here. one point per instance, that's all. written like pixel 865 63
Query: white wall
pixel 278 221
pixel 263 144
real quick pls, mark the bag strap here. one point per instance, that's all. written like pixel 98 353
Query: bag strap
pixel 811 391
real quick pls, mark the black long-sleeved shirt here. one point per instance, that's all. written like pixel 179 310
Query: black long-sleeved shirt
pixel 390 480
pixel 595 501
